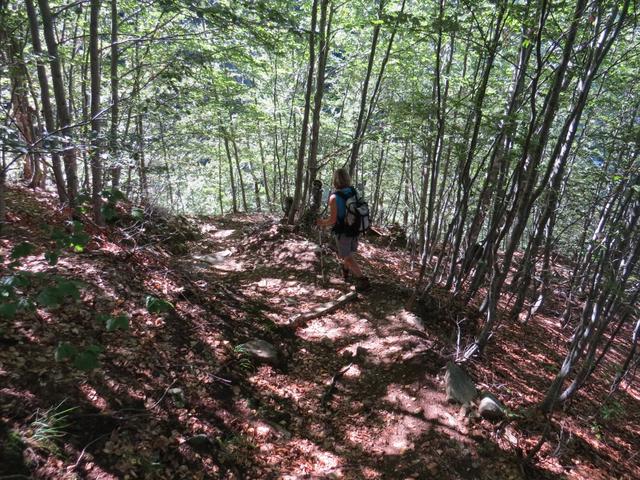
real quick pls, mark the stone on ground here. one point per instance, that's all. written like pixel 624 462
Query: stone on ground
pixel 261 351
pixel 458 385
pixel 491 408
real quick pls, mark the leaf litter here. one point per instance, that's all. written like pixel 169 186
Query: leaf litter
pixel 359 393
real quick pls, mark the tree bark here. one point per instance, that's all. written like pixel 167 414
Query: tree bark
pixel 116 168
pixel 297 197
pixel 69 152
pixel 325 31
pixel 96 121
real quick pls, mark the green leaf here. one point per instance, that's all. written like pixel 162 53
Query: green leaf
pixel 157 305
pixel 54 296
pixel 22 250
pixel 14 281
pixel 117 195
pixel 137 213
pixel 26 304
pixel 51 257
pixel 120 322
pixel 49 297
pixel 64 351
pixel 88 359
pixel 8 310
pixel 79 241
pixel 69 288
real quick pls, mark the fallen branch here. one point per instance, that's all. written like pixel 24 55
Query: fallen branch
pixel 332 385
pixel 299 320
pixel 75 465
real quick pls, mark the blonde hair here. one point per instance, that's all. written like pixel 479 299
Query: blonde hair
pixel 341 179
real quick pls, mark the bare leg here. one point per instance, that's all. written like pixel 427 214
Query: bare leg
pixel 353 266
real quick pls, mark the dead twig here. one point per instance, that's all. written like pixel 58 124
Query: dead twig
pixel 162 396
pixel 75 465
pixel 332 385
pixel 299 320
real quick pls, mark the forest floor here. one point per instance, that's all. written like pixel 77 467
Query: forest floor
pixel 354 394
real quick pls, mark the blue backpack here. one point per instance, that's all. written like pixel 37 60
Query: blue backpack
pixel 353 213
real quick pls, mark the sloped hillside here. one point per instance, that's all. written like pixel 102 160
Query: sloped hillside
pixel 178 348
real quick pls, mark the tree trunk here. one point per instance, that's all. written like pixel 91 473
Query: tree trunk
pixel 141 161
pixel 116 168
pixel 69 152
pixel 325 31
pixel 297 197
pixel 240 178
pixel 532 154
pixel 230 160
pixel 96 121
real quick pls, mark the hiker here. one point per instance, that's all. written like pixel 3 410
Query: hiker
pixel 346 237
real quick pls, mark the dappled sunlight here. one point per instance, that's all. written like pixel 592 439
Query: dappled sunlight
pixel 355 393
pixel 94 397
pixel 223 234
pixel 331 328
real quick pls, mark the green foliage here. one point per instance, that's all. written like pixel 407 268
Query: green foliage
pixel 113 323
pixel 243 358
pixel 111 197
pixel 137 213
pixel 54 296
pixel 64 351
pixel 17 294
pixel 77 240
pixel 85 360
pixel 51 424
pixel 612 410
pixel 156 305
pixel 23 249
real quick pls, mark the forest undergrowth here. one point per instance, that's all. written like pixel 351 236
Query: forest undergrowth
pixel 357 393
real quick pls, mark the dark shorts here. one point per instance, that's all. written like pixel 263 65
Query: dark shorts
pixel 346 245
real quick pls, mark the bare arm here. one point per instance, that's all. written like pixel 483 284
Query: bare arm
pixel 333 214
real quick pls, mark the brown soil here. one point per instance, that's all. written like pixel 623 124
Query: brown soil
pixel 385 416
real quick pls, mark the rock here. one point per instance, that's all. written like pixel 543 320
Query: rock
pixel 199 441
pixel 177 394
pixel 458 385
pixel 261 351
pixel 491 408
pixel 361 353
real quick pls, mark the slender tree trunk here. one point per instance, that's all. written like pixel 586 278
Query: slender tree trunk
pixel 325 32
pixel 3 182
pixel 69 153
pixel 554 177
pixel 363 120
pixel 478 105
pixel 86 117
pixel 523 207
pixel 357 137
pixel 142 167
pixel 231 179
pixel 116 168
pixel 96 121
pixel 380 170
pixel 236 156
pixel 297 197
pixel 220 179
pixel 265 180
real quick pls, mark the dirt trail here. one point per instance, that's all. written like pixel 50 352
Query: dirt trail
pixel 356 394
pixel 386 415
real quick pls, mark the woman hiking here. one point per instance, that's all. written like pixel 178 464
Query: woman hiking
pixel 347 244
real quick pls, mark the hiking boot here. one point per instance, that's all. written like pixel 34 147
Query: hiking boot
pixel 345 273
pixel 362 284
